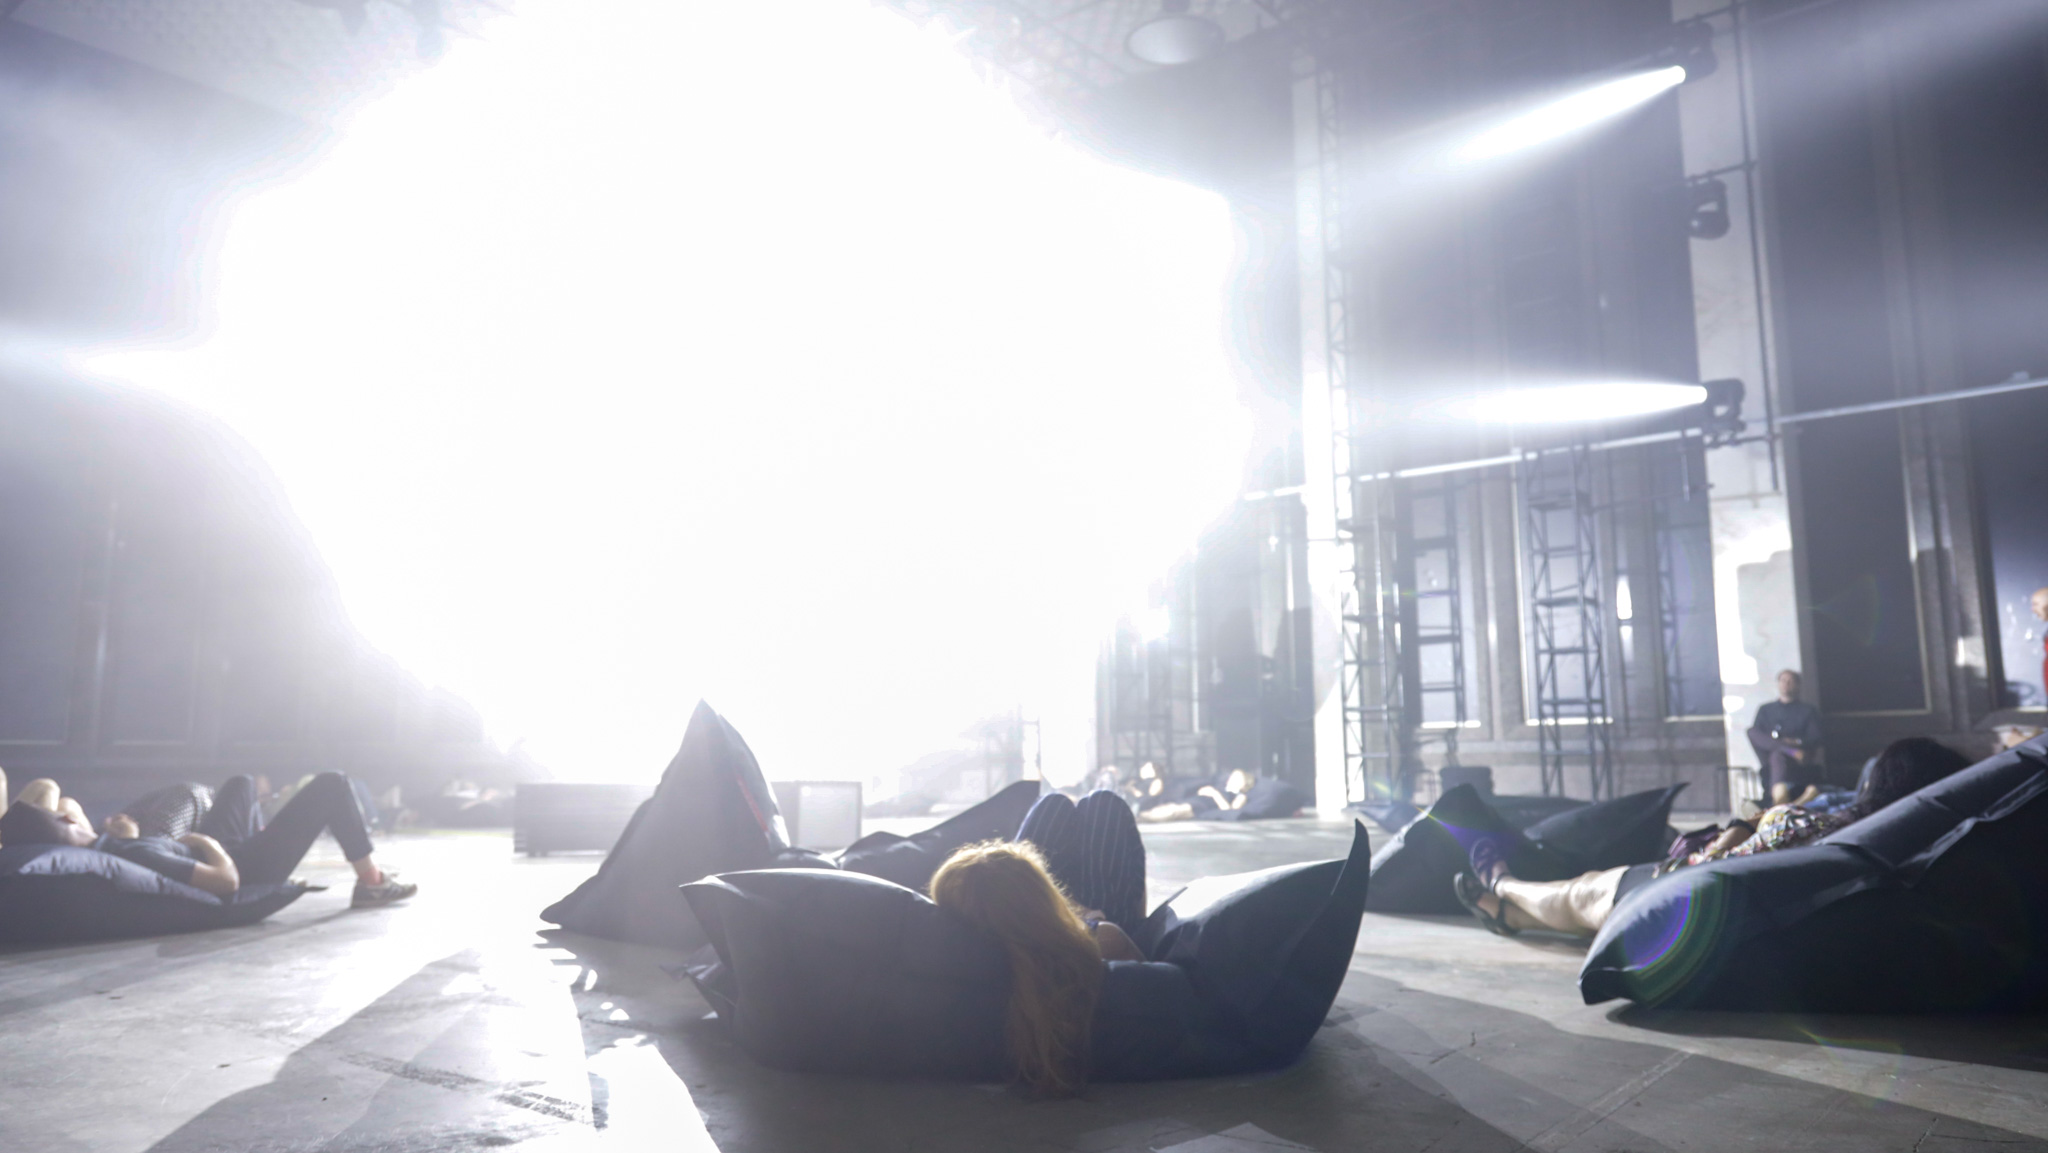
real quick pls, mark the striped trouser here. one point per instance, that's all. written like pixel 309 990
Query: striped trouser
pixel 1094 851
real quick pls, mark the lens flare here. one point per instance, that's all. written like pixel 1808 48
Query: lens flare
pixel 643 351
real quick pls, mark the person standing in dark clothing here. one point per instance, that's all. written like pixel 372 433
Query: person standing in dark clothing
pixel 1787 739
pixel 234 845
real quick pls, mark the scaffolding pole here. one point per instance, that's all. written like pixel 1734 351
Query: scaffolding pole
pixel 1377 737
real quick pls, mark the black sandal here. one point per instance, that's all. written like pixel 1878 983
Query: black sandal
pixel 1469 890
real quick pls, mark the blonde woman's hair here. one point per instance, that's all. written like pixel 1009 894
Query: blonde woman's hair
pixel 1004 888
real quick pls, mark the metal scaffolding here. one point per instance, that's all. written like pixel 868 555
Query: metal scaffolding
pixel 1434 569
pixel 1378 741
pixel 1567 628
pixel 1135 700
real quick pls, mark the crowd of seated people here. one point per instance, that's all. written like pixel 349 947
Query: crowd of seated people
pixel 216 840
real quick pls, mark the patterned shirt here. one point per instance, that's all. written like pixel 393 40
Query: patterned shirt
pixel 1781 827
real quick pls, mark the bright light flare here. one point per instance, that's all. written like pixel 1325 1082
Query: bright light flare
pixel 1574 403
pixel 1156 624
pixel 646 350
pixel 1562 117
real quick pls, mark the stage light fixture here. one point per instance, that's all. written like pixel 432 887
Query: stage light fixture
pixel 1175 36
pixel 1585 401
pixel 1688 45
pixel 1568 114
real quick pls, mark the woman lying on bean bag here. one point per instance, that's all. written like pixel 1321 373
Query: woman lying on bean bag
pixel 1508 905
pixel 1057 954
pixel 1016 967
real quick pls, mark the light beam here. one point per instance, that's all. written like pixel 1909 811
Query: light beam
pixel 1574 403
pixel 1569 114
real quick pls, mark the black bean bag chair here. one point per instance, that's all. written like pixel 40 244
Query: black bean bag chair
pixel 58 894
pixel 1413 871
pixel 713 812
pixel 1519 811
pixel 1523 811
pixel 842 973
pixel 911 861
pixel 1938 903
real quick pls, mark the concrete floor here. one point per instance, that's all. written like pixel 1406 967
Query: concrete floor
pixel 455 1023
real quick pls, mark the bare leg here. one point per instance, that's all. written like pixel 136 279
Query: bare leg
pixel 1579 905
pixel 72 811
pixel 42 793
pixel 3 790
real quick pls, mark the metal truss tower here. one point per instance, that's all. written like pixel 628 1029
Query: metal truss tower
pixel 1567 629
pixel 1431 566
pixel 1134 704
pixel 1378 740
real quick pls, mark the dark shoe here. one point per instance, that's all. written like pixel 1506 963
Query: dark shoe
pixel 1469 891
pixel 307 886
pixel 385 892
pixel 1488 856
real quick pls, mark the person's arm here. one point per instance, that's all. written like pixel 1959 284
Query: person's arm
pixel 1809 733
pixel 1116 945
pixel 1735 834
pixel 214 871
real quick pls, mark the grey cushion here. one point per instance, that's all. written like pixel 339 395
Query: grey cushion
pixel 61 893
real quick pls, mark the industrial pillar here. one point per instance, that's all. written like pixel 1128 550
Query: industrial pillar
pixel 1755 594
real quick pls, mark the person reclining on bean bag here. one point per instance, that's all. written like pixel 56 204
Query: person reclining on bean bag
pixel 1057 898
pixel 1093 852
pixel 1507 904
pixel 42 815
pixel 233 844
pixel 171 811
pixel 1057 952
pixel 1243 797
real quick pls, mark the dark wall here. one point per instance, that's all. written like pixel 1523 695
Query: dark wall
pixel 1905 157
pixel 164 616
pixel 1836 349
pixel 115 175
pixel 1991 124
pixel 1572 263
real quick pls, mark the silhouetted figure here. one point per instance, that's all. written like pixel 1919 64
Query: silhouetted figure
pixel 1787 739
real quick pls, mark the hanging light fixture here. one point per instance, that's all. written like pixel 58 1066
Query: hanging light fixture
pixel 1175 36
